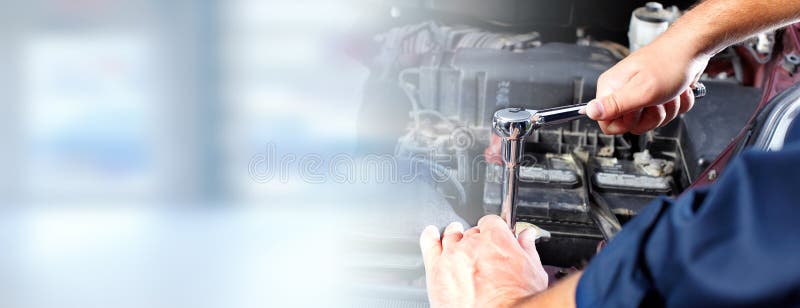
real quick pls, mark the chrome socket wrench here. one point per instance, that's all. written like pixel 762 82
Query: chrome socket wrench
pixel 513 125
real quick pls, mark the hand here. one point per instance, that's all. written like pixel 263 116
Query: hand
pixel 648 89
pixel 484 266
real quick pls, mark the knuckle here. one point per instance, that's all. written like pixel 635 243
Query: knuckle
pixel 661 113
pixel 672 109
pixel 485 220
pixel 453 226
pixel 451 241
pixel 613 104
pixel 687 102
pixel 686 107
pixel 644 129
pixel 602 79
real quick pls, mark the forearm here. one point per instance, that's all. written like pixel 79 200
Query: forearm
pixel 715 24
pixel 560 295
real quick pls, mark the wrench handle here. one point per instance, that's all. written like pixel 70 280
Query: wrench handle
pixel 565 114
pixel 557 115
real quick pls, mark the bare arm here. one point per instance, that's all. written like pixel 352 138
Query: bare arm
pixel 649 88
pixel 560 295
pixel 716 24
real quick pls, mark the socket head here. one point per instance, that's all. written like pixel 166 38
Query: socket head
pixel 513 123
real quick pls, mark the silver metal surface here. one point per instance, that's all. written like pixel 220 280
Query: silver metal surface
pixel 513 125
pixel 556 115
pixel 699 90
pixel 771 136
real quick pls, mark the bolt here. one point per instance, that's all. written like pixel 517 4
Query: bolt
pixel 791 62
pixel 702 162
pixel 793 58
pixel 712 175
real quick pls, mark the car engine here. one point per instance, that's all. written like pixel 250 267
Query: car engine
pixel 435 85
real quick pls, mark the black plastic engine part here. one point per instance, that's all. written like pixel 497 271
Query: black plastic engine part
pixel 553 193
pixel 466 86
pixel 714 122
pixel 472 83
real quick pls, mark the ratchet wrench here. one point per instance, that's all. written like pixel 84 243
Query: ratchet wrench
pixel 513 125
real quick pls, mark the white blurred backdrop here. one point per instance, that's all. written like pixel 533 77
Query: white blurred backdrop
pixel 126 130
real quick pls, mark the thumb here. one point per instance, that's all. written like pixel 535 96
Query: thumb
pixel 527 239
pixel 632 96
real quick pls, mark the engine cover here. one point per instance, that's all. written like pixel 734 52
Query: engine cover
pixel 472 83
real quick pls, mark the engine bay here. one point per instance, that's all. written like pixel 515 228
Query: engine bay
pixel 450 78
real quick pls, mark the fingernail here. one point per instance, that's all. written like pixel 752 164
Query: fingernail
pixel 594 109
pixel 582 110
pixel 613 128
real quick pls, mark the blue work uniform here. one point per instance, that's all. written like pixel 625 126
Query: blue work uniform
pixel 733 244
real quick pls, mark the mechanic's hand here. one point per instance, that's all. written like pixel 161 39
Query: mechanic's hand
pixel 484 266
pixel 647 89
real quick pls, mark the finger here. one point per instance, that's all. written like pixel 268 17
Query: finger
pixel 687 101
pixel 608 81
pixel 604 126
pixel 624 124
pixel 452 234
pixel 671 108
pixel 527 239
pixel 471 231
pixel 493 223
pixel 430 245
pixel 699 75
pixel 631 119
pixel 651 118
pixel 637 93
pixel 613 127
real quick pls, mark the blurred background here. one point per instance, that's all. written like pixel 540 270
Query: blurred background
pixel 252 153
pixel 144 101
pixel 127 129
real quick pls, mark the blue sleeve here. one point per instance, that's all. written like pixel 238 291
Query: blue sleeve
pixel 734 244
